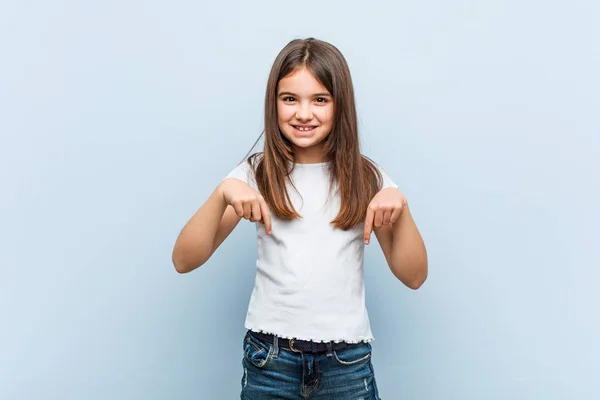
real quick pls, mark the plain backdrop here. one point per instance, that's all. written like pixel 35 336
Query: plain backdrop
pixel 119 118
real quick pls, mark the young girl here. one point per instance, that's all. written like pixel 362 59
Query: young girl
pixel 316 200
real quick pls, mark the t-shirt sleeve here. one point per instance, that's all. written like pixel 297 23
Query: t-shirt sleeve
pixel 387 182
pixel 244 173
pixel 240 172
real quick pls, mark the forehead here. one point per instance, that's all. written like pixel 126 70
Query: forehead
pixel 301 81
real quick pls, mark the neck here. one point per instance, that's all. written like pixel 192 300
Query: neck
pixel 309 155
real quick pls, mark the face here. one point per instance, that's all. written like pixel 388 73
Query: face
pixel 305 113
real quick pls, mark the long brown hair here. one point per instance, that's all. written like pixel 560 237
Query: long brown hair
pixel 357 177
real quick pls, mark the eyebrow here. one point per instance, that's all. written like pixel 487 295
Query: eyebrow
pixel 324 94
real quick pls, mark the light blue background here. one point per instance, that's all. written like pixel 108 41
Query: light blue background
pixel 118 118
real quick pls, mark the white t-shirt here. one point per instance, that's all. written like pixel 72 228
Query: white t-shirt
pixel 309 276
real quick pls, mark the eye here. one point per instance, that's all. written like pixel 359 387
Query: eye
pixel 321 100
pixel 288 99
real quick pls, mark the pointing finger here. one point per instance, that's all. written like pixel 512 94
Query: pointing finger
pixel 266 215
pixel 368 225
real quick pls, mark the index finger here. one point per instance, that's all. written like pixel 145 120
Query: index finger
pixel 266 215
pixel 368 225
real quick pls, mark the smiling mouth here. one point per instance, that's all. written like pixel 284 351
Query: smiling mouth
pixel 304 128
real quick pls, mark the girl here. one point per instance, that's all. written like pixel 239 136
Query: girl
pixel 316 199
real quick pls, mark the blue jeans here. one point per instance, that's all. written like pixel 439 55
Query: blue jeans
pixel 271 372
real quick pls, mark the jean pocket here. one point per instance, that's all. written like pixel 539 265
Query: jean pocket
pixel 354 354
pixel 257 352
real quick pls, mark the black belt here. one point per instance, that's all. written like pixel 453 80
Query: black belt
pixel 304 346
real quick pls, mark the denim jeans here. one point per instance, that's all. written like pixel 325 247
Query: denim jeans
pixel 271 372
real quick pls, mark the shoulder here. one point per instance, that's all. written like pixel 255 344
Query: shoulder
pixel 246 170
pixel 255 159
pixel 384 179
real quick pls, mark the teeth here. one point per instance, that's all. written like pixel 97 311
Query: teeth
pixel 304 128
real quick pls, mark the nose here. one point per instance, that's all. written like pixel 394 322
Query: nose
pixel 304 112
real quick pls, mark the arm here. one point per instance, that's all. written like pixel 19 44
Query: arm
pixel 213 222
pixel 204 233
pixel 404 249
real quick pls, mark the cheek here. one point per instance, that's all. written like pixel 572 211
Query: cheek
pixel 326 115
pixel 284 113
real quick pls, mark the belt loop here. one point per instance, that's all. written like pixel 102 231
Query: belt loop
pixel 292 347
pixel 275 346
pixel 329 349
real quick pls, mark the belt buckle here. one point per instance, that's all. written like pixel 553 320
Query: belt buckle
pixel 292 347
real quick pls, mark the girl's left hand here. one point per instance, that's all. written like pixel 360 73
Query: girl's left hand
pixel 384 209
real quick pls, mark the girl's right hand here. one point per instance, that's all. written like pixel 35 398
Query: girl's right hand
pixel 247 202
